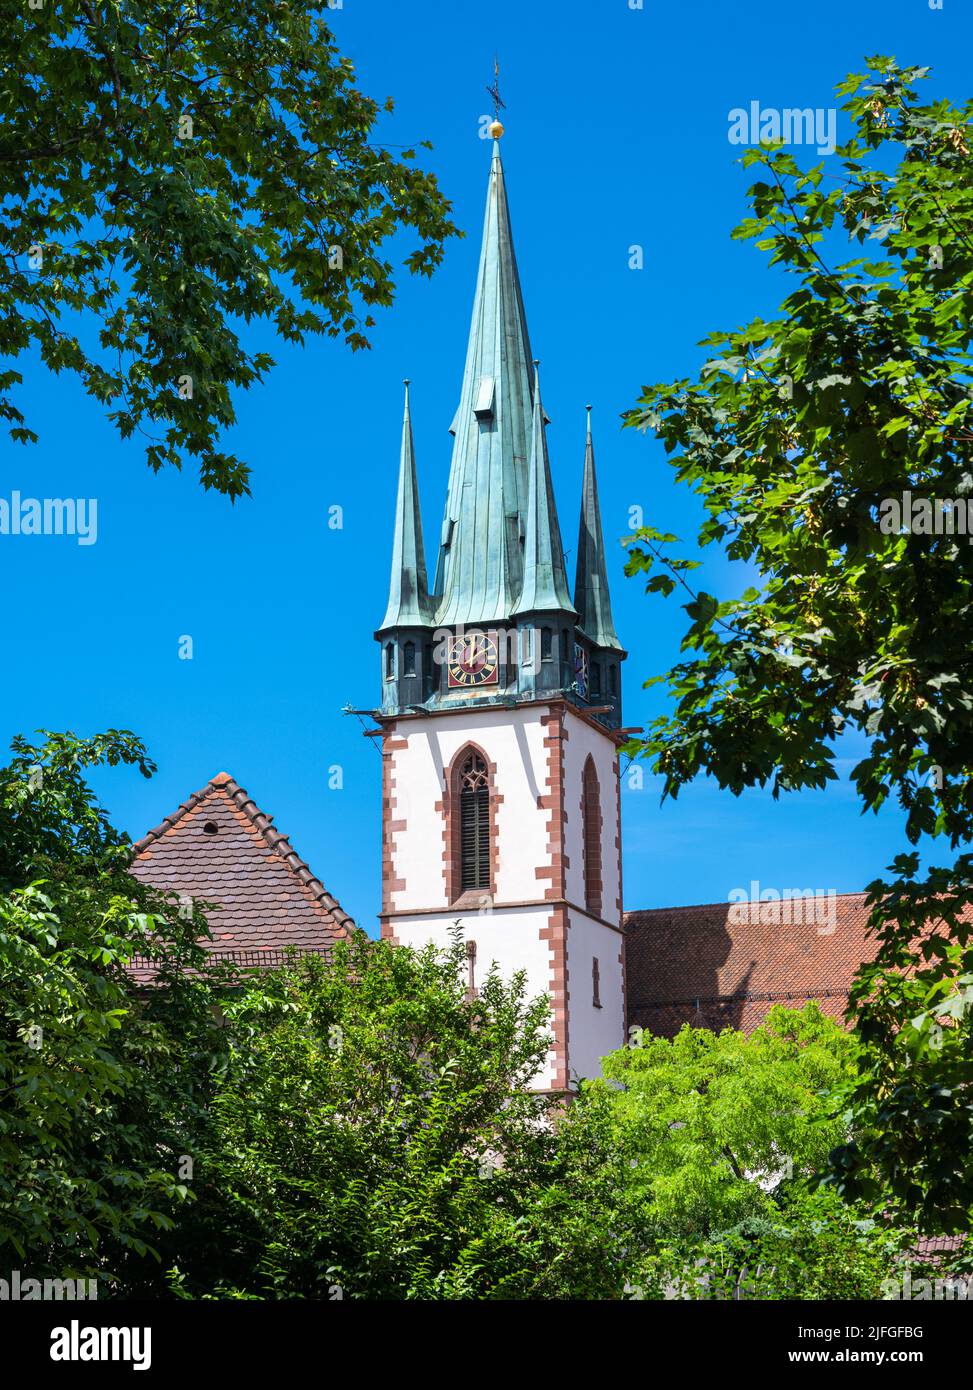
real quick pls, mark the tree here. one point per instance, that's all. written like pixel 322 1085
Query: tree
pixel 102 1085
pixel 169 172
pixel 812 1246
pixel 706 1147
pixel 373 1136
pixel 808 438
pixel 713 1123
pixel 356 1127
pixel 359 1127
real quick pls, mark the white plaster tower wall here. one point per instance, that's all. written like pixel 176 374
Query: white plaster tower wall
pixel 513 742
pixel 584 740
pixel 536 919
pixel 592 1031
pixel 508 927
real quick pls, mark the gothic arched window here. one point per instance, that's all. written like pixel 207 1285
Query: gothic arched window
pixel 474 815
pixel 409 659
pixel 591 837
pixel 390 661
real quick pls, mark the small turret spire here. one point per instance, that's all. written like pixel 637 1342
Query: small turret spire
pixel 408 604
pixel 545 586
pixel 591 597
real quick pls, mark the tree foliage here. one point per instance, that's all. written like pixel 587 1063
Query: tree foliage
pixel 715 1122
pixel 798 436
pixel 360 1126
pixel 373 1136
pixel 169 173
pixel 706 1151
pixel 811 1247
pixel 101 1084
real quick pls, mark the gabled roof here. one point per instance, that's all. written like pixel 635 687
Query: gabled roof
pixel 220 848
pixel 724 965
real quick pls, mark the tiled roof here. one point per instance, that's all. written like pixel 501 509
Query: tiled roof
pixel 220 848
pixel 930 1246
pixel 723 965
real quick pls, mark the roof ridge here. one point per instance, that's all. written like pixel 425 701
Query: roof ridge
pixel 694 907
pixel 275 839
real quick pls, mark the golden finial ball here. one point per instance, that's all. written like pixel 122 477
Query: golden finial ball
pixel 496 130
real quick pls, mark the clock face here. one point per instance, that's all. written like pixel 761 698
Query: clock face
pixel 473 661
pixel 581 669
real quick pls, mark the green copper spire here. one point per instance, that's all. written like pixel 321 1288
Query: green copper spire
pixel 545 585
pixel 591 597
pixel 479 574
pixel 409 604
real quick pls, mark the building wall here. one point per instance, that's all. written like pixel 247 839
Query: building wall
pixel 593 1032
pixel 510 939
pixel 536 919
pixel 583 740
pixel 513 741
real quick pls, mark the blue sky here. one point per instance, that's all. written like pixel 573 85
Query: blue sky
pixel 617 123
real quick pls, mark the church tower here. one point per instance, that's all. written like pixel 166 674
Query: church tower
pixel 501 698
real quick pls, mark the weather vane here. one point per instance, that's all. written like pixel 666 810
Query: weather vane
pixel 494 91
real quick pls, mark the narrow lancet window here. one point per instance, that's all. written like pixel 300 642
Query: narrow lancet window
pixel 591 835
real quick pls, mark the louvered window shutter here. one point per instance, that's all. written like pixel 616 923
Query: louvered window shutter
pixel 474 825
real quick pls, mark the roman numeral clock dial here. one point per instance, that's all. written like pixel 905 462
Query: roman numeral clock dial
pixel 472 662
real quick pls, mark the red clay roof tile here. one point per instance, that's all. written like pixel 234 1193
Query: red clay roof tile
pixel 724 965
pixel 221 848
